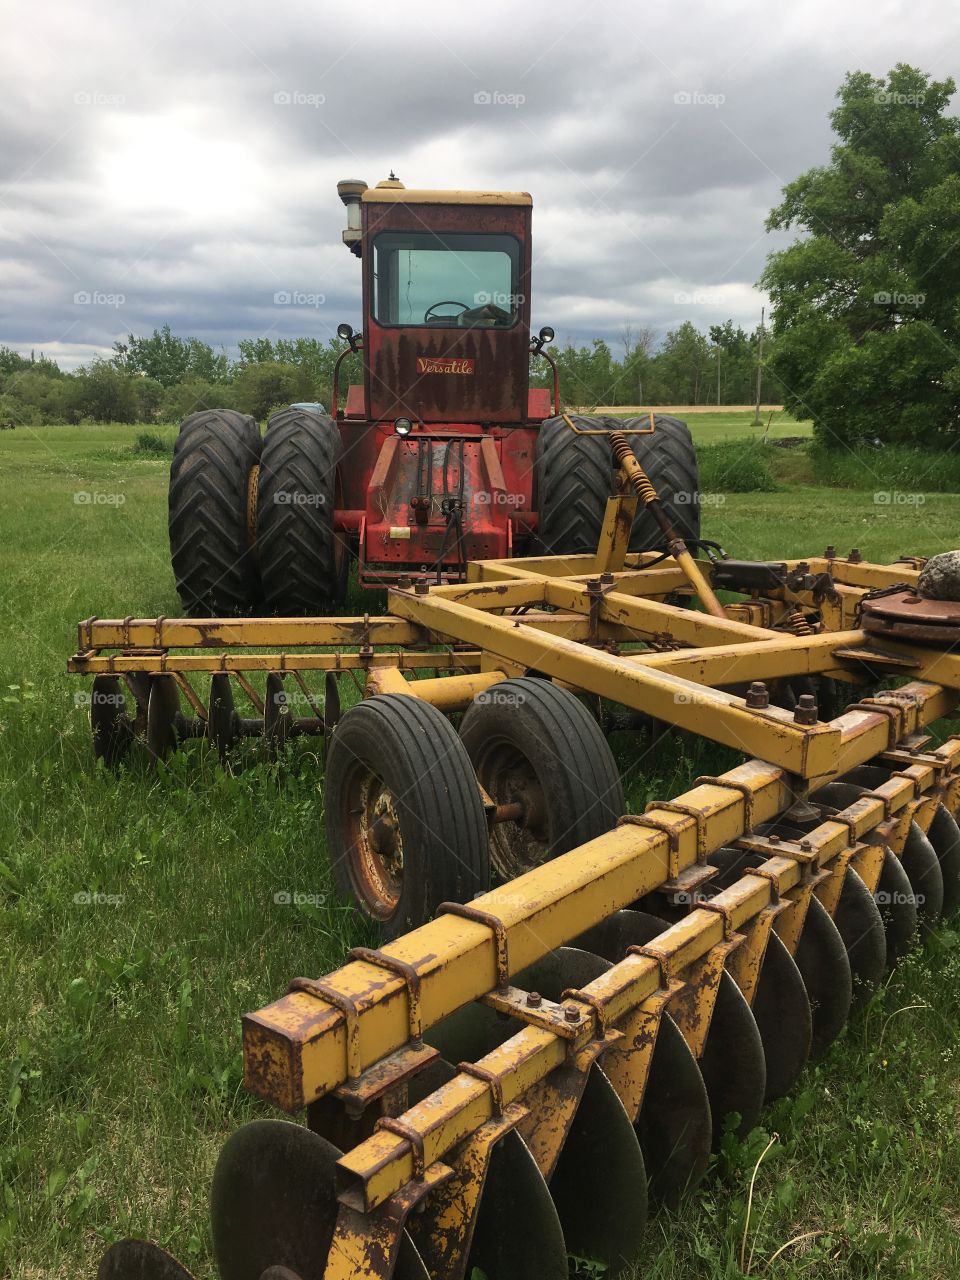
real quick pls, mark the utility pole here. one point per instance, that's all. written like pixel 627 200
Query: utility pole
pixel 763 312
pixel 718 373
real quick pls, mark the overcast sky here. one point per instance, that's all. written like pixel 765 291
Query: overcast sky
pixel 177 162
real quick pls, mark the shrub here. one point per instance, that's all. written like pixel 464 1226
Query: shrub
pixel 736 467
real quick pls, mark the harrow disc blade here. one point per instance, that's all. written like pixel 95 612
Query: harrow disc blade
pixel 859 924
pixel 222 721
pixel 674 1124
pixel 732 1065
pixel 110 725
pixel 600 1184
pixel 895 896
pixel 825 969
pixel 517 1232
pixel 782 1014
pixel 163 708
pixel 920 851
pixel 820 957
pixel 139 1260
pixel 276 716
pixel 273 1204
pixel 944 835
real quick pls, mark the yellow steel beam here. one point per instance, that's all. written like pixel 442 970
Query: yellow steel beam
pixel 762 660
pixel 225 633
pixel 196 663
pixel 649 617
pixel 448 693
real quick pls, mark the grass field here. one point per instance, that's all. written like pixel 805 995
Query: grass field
pixel 120 1029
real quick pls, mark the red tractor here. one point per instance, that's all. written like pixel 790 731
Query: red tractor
pixel 445 454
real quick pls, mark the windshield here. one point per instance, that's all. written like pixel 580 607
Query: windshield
pixel 451 280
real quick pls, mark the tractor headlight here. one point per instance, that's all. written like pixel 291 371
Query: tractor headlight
pixel 345 331
pixel 403 426
pixel 546 335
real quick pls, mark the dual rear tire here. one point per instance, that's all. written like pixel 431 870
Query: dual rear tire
pixel 251 521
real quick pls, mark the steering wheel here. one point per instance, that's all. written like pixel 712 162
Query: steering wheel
pixel 450 302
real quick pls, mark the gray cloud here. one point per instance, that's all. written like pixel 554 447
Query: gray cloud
pixel 183 157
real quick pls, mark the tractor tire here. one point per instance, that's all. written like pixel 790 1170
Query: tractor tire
pixel 534 743
pixel 406 828
pixel 304 563
pixel 213 562
pixel 575 476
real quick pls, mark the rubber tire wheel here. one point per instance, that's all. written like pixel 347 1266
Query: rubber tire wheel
pixel 554 734
pixel 304 564
pixel 575 475
pixel 213 563
pixel 414 750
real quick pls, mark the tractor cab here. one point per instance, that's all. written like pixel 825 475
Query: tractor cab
pixel 441 435
pixel 446 302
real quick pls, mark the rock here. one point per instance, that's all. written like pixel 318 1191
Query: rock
pixel 940 577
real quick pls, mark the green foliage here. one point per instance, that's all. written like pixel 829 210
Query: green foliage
pixel 866 319
pixel 170 360
pixel 900 469
pixel 150 444
pixel 258 388
pixel 104 394
pixel 736 467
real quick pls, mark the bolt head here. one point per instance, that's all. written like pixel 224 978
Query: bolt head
pixel 534 999
pixel 570 1014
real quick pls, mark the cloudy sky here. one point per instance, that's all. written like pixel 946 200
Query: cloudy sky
pixel 177 162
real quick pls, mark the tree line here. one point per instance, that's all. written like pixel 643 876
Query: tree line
pixel 163 377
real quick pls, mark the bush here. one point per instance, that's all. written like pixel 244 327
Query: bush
pixel 736 467
pixel 150 444
pixel 892 466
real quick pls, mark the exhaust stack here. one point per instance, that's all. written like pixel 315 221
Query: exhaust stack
pixel 350 191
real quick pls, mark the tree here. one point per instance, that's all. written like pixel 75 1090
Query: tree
pixel 865 316
pixel 170 360
pixel 103 393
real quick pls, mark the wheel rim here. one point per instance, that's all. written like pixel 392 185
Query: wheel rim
pixel 508 777
pixel 375 850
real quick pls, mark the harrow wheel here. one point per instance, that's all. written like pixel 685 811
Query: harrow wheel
pixel 214 459
pixel 536 746
pixel 406 829
pixel 273 1205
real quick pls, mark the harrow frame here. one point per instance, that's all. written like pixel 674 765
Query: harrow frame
pixel 347 1047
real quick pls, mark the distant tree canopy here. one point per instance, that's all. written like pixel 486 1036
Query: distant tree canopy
pixel 866 306
pixel 162 378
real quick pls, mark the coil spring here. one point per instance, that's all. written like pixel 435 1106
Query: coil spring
pixel 796 623
pixel 638 477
